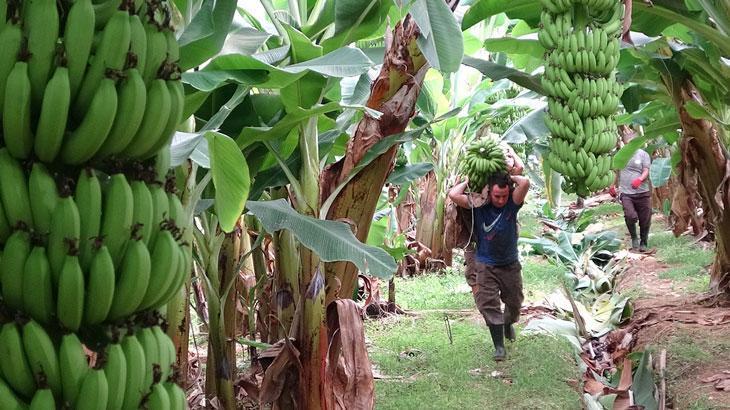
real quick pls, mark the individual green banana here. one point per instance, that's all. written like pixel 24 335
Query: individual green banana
pixel 100 291
pixel 130 111
pixel 43 195
pixel 151 350
pixel 88 199
pixel 156 51
pixel 177 104
pixel 138 42
pixel 94 391
pixel 72 365
pixel 53 116
pixel 136 372
pixel 3 13
pixel 70 306
pixel 162 164
pixel 132 280
pixel 177 212
pixel 143 210
pixel 158 398
pixel 165 262
pixel 64 234
pixel 8 399
pixel 173 48
pixel 161 209
pixel 40 24
pixel 17 112
pixel 11 37
pixel 111 54
pixel 12 268
pixel 14 366
pixel 166 352
pixel 42 400
pixel 176 394
pixel 157 113
pixel 116 226
pixel 115 371
pixel 78 36
pixel 42 355
pixel 89 136
pixel 104 11
pixel 38 286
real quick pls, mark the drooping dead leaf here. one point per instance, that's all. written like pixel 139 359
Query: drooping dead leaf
pixel 723 385
pixel 286 359
pixel 593 387
pixel 348 376
pixel 715 377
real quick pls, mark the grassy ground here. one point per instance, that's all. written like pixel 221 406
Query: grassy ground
pixel 442 359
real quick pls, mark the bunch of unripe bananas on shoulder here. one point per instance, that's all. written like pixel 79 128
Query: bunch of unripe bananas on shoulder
pixel 71 94
pixel 483 158
pixel 582 39
pixel 86 254
pixel 46 370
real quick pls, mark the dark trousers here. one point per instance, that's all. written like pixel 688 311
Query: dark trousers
pixel 637 207
pixel 496 284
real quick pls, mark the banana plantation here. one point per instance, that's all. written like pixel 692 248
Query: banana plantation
pixel 202 202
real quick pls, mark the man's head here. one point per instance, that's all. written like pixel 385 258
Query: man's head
pixel 499 189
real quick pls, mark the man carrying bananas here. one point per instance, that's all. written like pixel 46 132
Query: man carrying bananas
pixel 634 193
pixel 495 264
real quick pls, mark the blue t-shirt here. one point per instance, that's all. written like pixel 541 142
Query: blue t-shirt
pixel 497 234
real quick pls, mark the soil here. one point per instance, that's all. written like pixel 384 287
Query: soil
pixel 663 315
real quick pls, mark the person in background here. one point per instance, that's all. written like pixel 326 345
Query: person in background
pixel 495 264
pixel 634 192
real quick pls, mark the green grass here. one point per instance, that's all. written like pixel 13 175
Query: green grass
pixel 687 261
pixel 436 374
pixel 607 209
pixel 539 277
pixel 425 370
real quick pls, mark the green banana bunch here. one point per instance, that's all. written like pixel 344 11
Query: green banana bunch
pixel 583 94
pixel 130 111
pixel 483 158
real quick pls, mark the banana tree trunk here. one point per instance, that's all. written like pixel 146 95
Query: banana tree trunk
pixel 394 93
pixel 703 153
pixel 221 366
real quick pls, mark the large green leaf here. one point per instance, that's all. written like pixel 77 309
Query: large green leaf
pixel 244 40
pixel 343 62
pixel 652 19
pixel 528 128
pixel 230 177
pixel 498 71
pixel 660 171
pixel 511 45
pixel 332 241
pixel 643 383
pixel 206 33
pixel 441 40
pixel 409 173
pixel 281 129
pixel 623 155
pixel 356 20
pixel 528 10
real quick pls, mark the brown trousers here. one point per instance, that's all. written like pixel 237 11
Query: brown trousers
pixel 497 284
pixel 637 207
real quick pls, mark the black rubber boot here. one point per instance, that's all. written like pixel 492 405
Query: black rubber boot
pixel 509 332
pixel 497 332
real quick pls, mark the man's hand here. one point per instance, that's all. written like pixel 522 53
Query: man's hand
pixel 636 183
pixel 612 191
pixel 474 289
